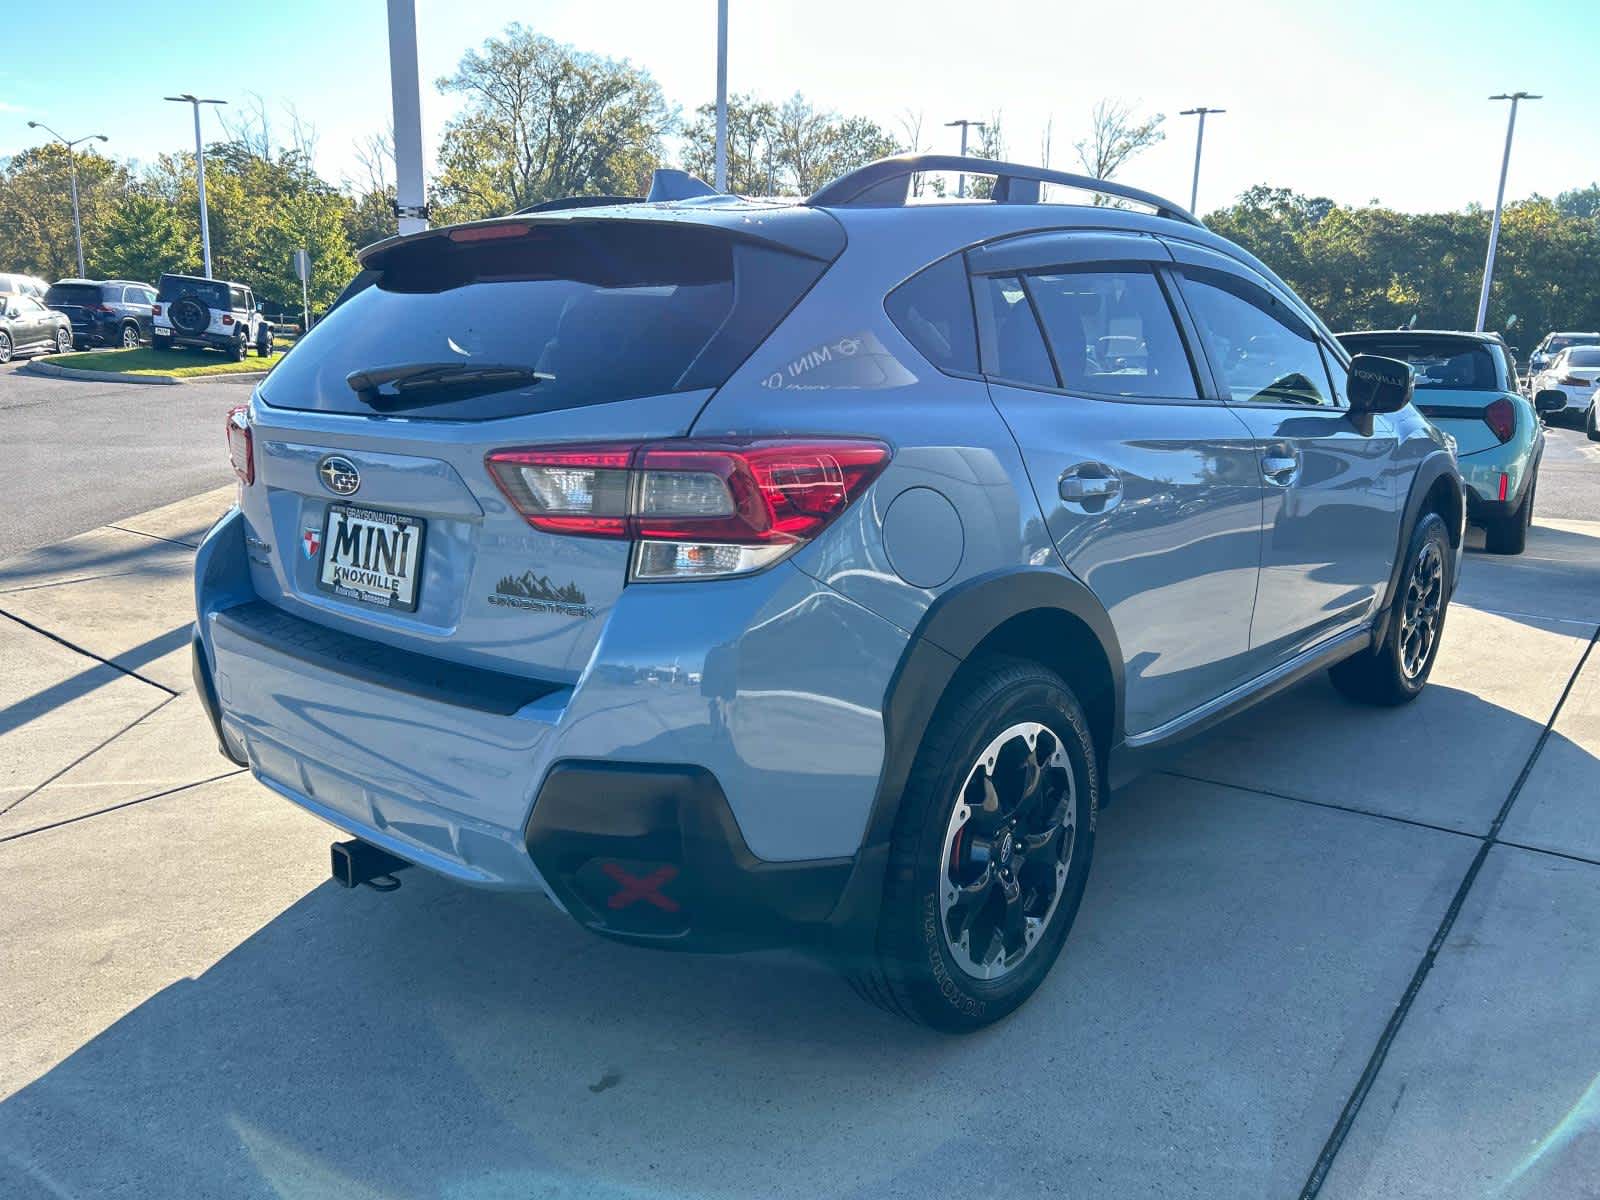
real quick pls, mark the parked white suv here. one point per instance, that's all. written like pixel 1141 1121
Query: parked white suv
pixel 191 311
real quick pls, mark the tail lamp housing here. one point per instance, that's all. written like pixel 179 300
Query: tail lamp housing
pixel 692 509
pixel 241 448
pixel 1501 418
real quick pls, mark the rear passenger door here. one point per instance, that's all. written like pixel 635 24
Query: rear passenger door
pixel 1149 489
pixel 1331 516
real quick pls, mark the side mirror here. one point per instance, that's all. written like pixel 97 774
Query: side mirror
pixel 1379 385
pixel 1549 400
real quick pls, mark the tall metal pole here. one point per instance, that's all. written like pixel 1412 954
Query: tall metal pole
pixel 72 169
pixel 205 213
pixel 1199 141
pixel 200 171
pixel 1499 202
pixel 411 207
pixel 961 180
pixel 722 96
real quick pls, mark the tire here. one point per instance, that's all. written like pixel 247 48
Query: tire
pixel 238 349
pixel 129 338
pixel 5 347
pixel 63 341
pixel 189 315
pixel 1396 671
pixel 264 341
pixel 1509 535
pixel 1002 719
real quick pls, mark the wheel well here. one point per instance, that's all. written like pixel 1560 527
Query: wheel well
pixel 1446 501
pixel 1060 641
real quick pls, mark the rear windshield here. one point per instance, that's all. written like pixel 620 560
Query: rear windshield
pixel 1454 365
pixel 73 293
pixel 208 291
pixel 601 310
pixel 1584 358
pixel 1559 342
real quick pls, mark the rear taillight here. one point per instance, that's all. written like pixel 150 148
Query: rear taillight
pixel 101 308
pixel 1501 418
pixel 226 319
pixel 693 509
pixel 1574 381
pixel 241 453
pixel 155 310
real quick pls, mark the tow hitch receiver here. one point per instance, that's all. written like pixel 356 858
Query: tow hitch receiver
pixel 356 862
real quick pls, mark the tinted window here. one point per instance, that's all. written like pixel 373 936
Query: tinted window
pixel 1261 352
pixel 73 293
pixel 1584 358
pixel 1457 364
pixel 603 311
pixel 934 311
pixel 209 292
pixel 1112 333
pixel 236 299
pixel 1012 346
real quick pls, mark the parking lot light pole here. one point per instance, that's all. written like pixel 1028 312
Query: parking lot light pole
pixel 1199 140
pixel 721 172
pixel 1499 203
pixel 405 94
pixel 200 168
pixel 72 169
pixel 961 180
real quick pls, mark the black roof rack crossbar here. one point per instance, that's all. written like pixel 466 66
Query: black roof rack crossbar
pixel 886 183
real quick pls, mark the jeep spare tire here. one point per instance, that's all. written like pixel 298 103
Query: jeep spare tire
pixel 189 315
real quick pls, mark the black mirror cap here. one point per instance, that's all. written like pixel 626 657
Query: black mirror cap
pixel 1379 385
pixel 1549 400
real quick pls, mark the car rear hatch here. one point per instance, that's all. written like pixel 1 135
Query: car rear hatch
pixel 370 440
pixel 1457 384
pixel 1478 421
pixel 76 301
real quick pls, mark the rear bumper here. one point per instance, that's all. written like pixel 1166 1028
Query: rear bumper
pixel 1480 483
pixel 166 335
pixel 719 805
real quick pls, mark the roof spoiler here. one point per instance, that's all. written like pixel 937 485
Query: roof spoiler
pixel 886 183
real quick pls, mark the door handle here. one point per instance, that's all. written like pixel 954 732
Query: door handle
pixel 1090 487
pixel 1280 465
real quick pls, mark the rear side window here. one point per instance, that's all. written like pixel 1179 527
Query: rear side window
pixel 933 309
pixel 601 310
pixel 1013 348
pixel 1113 334
pixel 1261 352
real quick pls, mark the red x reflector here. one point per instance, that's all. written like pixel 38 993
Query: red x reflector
pixel 631 889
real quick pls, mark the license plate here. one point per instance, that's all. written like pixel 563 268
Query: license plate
pixel 160 332
pixel 371 556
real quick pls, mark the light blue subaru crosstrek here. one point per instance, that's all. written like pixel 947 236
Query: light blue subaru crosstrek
pixel 748 573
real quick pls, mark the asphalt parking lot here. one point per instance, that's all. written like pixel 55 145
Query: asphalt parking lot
pixel 1323 929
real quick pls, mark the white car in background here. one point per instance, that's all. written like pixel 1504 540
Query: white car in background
pixel 24 285
pixel 1575 373
pixel 1545 353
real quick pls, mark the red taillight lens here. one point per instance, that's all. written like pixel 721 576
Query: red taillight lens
pixel 155 310
pixel 226 319
pixel 1505 485
pixel 1501 418
pixel 241 452
pixel 1574 381
pixel 715 508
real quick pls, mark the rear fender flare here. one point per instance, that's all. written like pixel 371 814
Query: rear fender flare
pixel 1437 465
pixel 952 629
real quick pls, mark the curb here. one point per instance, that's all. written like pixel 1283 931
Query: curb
pixel 36 367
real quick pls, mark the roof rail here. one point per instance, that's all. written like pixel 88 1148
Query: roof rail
pixel 886 183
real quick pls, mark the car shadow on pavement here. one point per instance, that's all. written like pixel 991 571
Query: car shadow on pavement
pixel 94 675
pixel 1234 964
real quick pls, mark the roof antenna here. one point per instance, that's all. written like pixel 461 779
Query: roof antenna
pixel 667 183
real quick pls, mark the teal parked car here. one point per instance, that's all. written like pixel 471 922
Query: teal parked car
pixel 1466 385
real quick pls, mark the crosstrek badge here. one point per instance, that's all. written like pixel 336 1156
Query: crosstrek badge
pixel 311 541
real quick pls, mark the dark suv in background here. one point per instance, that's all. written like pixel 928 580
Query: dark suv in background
pixel 105 312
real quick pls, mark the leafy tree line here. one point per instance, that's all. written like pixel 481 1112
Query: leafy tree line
pixel 1373 267
pixel 541 120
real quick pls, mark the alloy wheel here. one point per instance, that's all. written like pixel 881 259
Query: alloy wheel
pixel 5 348
pixel 130 337
pixel 1006 850
pixel 1423 608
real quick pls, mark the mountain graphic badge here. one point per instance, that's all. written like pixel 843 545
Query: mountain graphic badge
pixel 539 593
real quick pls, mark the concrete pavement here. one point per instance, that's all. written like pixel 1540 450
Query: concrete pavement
pixel 188 1008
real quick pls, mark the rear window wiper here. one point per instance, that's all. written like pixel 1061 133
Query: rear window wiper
pixel 412 383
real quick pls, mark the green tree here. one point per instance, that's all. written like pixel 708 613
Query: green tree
pixel 790 149
pixel 544 120
pixel 36 209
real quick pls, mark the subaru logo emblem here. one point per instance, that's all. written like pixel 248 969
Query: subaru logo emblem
pixel 339 475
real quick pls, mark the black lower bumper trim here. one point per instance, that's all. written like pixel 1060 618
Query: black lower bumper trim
pixel 207 692
pixel 651 854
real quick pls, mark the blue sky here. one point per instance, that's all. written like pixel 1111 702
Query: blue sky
pixel 1358 100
